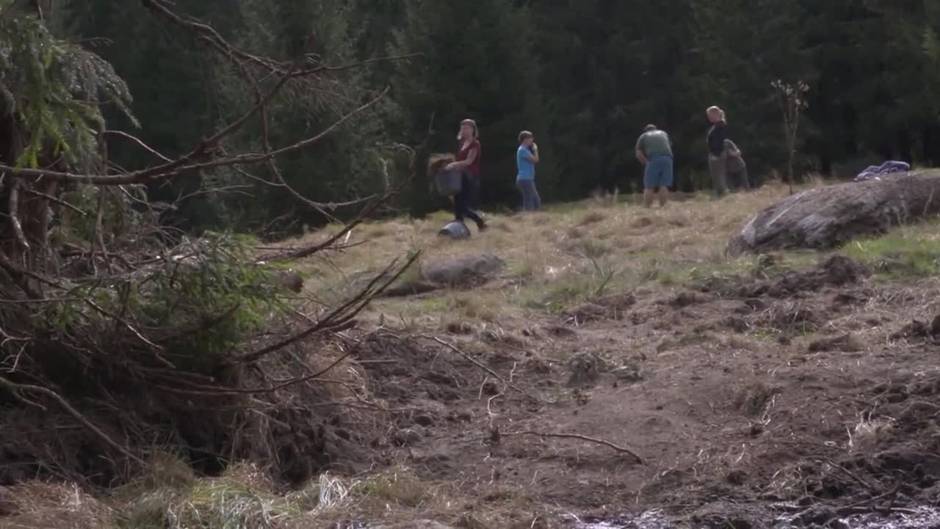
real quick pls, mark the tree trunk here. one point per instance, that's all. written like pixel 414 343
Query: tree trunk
pixel 829 216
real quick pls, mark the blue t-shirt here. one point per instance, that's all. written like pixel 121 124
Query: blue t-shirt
pixel 525 164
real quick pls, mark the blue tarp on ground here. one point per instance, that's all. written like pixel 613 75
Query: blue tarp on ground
pixel 877 172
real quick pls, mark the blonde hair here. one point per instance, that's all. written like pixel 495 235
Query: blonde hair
pixel 473 125
pixel 718 111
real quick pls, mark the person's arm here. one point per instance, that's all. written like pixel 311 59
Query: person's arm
pixel 471 157
pixel 534 154
pixel 640 155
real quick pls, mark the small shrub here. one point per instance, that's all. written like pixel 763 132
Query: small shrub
pixel 205 298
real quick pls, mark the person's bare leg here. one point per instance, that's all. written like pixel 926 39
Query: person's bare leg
pixel 663 196
pixel 648 197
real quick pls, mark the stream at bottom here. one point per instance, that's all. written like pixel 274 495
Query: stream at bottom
pixel 908 518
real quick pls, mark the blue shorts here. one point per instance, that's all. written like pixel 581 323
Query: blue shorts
pixel 658 172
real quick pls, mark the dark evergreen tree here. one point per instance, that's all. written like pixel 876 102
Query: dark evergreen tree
pixel 585 75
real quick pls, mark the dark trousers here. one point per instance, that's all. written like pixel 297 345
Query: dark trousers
pixel 463 201
pixel 474 184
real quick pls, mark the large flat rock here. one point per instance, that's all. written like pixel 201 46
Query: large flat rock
pixel 463 271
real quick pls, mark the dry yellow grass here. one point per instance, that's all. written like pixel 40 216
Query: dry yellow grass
pixel 555 257
pixel 36 505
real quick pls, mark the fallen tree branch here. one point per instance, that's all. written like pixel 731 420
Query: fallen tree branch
pixel 208 34
pixel 15 388
pixel 220 391
pixel 301 253
pixel 139 142
pixel 579 437
pixel 482 366
pixel 185 163
pixel 56 200
pixel 14 205
pixel 339 317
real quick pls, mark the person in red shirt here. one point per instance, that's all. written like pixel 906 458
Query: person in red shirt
pixel 467 161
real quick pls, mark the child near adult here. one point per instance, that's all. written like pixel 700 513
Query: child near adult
pixel 717 155
pixel 737 178
pixel 467 161
pixel 527 155
pixel 654 151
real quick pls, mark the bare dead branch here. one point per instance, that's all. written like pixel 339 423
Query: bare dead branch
pixel 580 437
pixel 358 64
pixel 482 366
pixel 98 308
pixel 14 206
pixel 210 35
pixel 20 276
pixel 15 389
pixel 301 253
pixel 341 316
pixel 209 391
pixel 56 200
pixel 185 164
pixel 139 142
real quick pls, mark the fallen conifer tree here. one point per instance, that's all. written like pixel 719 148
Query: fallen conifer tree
pixel 826 217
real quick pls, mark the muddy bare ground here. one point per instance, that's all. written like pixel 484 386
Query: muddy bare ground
pixel 805 398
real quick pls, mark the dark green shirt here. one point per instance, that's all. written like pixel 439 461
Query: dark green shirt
pixel 654 143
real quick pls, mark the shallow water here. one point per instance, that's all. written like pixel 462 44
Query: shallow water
pixel 913 518
pixel 916 518
pixel 646 520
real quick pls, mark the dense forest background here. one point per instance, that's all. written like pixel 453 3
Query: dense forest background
pixel 585 75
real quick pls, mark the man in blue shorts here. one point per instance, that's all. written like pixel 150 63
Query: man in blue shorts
pixel 654 150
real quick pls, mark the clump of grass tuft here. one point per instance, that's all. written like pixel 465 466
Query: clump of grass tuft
pixel 399 488
pixel 755 399
pixel 592 217
pixel 906 253
pixel 473 307
pixel 576 286
pixel 243 497
pixel 37 504
pixel 591 248
pixel 868 433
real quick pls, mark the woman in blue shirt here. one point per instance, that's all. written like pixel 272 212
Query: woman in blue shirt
pixel 527 155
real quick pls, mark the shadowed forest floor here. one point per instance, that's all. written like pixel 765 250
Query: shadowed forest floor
pixel 796 385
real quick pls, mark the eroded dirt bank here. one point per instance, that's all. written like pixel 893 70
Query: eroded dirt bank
pixel 809 396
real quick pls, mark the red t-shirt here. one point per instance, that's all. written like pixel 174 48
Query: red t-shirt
pixel 464 153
